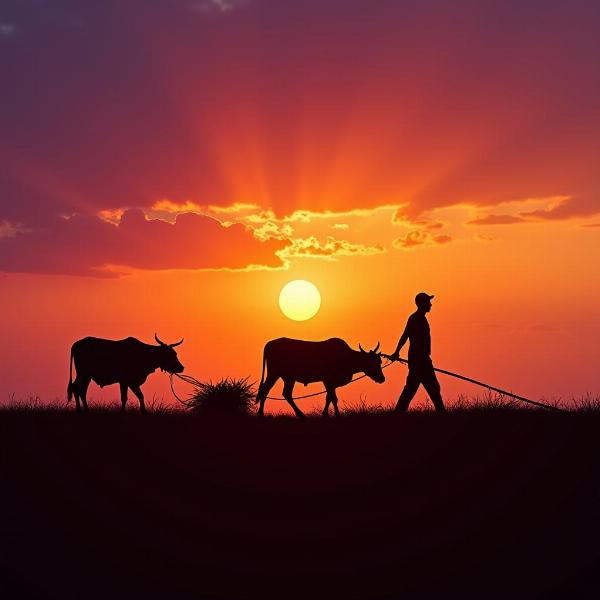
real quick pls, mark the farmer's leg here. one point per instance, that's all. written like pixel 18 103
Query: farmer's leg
pixel 408 393
pixel 432 385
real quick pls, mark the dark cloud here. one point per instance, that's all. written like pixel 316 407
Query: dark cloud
pixel 86 245
pixel 441 239
pixel 401 217
pixel 7 30
pixel 497 220
pixel 563 209
pixel 5 229
pixel 585 205
pixel 548 161
pixel 420 238
pixel 223 7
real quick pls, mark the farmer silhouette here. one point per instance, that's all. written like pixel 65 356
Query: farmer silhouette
pixel 420 367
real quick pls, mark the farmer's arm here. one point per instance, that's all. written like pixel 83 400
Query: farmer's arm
pixel 403 338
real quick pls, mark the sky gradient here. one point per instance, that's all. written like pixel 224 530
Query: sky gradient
pixel 169 166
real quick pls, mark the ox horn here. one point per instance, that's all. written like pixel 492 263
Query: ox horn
pixel 377 347
pixel 161 343
pixel 176 343
pixel 361 348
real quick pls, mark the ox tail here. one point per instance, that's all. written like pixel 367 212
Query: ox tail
pixel 262 377
pixel 70 386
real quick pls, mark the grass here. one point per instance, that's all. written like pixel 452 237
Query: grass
pixel 490 500
pixel 236 397
pixel 586 404
pixel 34 403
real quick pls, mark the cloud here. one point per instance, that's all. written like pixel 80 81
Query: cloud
pixel 441 239
pixel 497 220
pixel 400 217
pixel 7 30
pixel 271 230
pixel 581 206
pixel 484 238
pixel 112 215
pixel 552 208
pixel 540 167
pixel 267 225
pixel 331 248
pixel 89 245
pixel 216 6
pixel 6 229
pixel 235 208
pixel 169 206
pixel 429 224
pixel 253 214
pixel 250 214
pixel 262 225
pixel 420 238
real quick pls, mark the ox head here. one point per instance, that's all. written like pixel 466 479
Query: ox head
pixel 168 357
pixel 371 364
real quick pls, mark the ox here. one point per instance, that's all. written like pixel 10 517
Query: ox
pixel 332 362
pixel 127 362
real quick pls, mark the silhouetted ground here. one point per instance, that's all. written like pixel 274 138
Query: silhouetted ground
pixel 481 504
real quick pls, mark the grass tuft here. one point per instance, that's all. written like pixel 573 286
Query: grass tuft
pixel 227 397
pixel 362 407
pixel 586 404
pixel 487 402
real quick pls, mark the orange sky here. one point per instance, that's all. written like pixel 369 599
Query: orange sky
pixel 171 170
pixel 516 311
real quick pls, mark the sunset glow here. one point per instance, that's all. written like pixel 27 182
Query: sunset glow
pixel 299 299
pixel 174 175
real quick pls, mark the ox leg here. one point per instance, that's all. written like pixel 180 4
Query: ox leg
pixel 140 396
pixel 123 387
pixel 332 397
pixel 82 388
pixel 327 402
pixel 263 390
pixel 75 389
pixel 288 390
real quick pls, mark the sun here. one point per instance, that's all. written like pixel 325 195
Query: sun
pixel 299 300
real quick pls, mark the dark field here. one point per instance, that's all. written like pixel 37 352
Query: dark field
pixel 468 504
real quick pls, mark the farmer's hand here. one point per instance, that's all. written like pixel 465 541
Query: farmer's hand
pixel 395 356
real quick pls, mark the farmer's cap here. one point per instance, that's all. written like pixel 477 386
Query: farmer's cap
pixel 422 297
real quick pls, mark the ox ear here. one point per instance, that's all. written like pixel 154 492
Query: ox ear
pixel 176 343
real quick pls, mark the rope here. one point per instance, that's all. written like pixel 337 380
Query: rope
pixel 188 379
pixel 325 391
pixel 195 382
pixel 491 387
